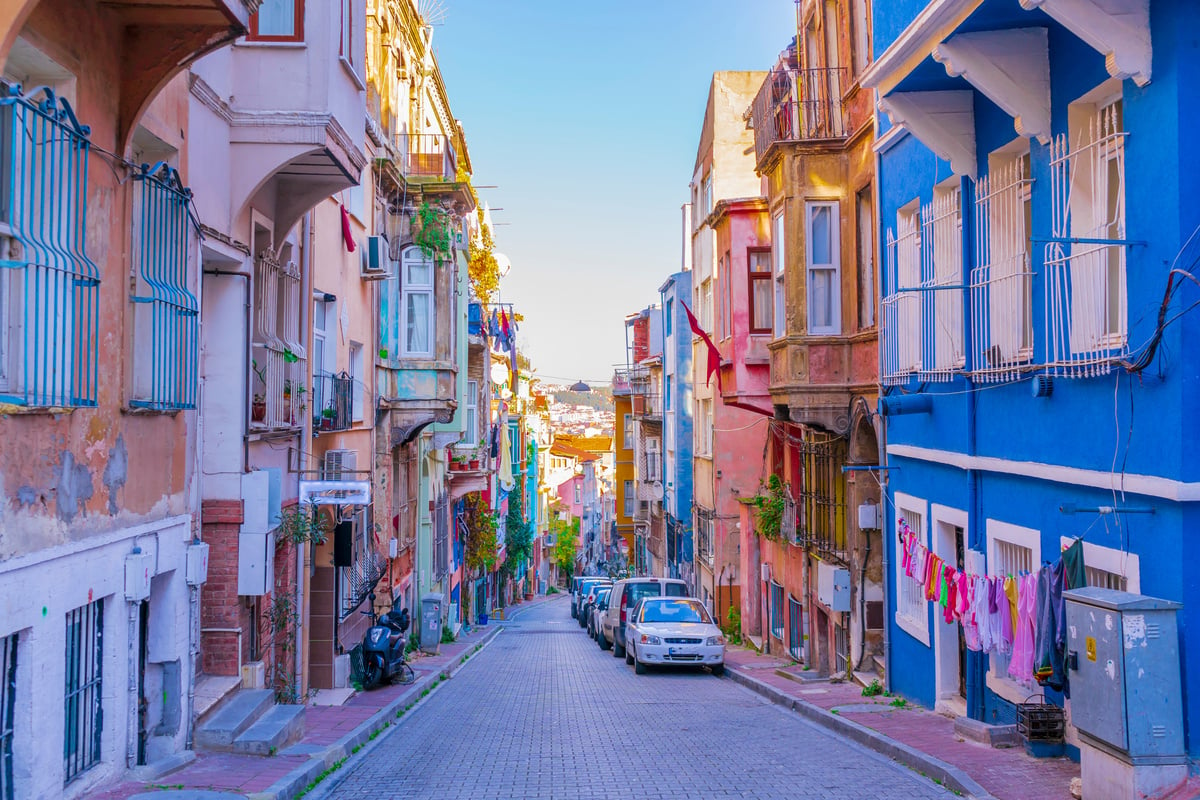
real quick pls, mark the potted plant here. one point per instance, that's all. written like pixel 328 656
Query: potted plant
pixel 327 419
pixel 258 409
pixel 458 463
pixel 473 461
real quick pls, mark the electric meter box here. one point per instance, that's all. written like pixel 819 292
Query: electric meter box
pixel 431 622
pixel 1123 664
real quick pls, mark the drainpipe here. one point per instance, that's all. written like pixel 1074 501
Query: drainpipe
pixel 308 238
pixel 131 736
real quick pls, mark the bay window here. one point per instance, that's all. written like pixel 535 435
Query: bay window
pixel 416 303
pixel 824 273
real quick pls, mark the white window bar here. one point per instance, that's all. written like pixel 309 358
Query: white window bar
pixel 910 595
pixel 1001 297
pixel 941 299
pixel 1086 315
pixel 1009 559
pixel 902 309
pixel 280 371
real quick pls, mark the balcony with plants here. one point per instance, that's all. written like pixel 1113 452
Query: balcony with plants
pixel 332 402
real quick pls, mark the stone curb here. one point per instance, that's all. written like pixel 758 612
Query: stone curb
pixel 292 784
pixel 948 775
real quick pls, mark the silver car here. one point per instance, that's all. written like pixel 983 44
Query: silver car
pixel 673 631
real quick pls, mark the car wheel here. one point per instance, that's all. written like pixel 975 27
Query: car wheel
pixel 718 670
pixel 618 649
pixel 628 656
pixel 602 641
pixel 638 667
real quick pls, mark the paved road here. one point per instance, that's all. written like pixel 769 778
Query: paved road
pixel 543 713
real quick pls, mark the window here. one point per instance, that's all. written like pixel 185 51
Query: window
pixel 84 717
pixel 165 311
pixel 324 355
pixel 707 208
pixel 865 244
pixel 706 305
pixel 761 303
pixel 278 21
pixel 902 306
pixel 628 497
pixel 578 492
pixel 1011 550
pixel 351 44
pixel 860 29
pixel 49 294
pixel 471 437
pixel 416 303
pixel 725 287
pixel 1109 568
pixel 941 223
pixel 1086 279
pixel 668 317
pixel 8 702
pixel 704 428
pixel 912 613
pixel 824 281
pixel 778 250
pixel 278 362
pixel 357 375
pixel 1001 283
pixel 627 431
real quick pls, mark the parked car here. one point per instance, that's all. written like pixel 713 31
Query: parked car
pixel 587 597
pixel 578 579
pixel 624 597
pixel 673 631
pixel 597 608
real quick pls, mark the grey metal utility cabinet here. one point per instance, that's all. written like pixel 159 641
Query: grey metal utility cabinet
pixel 1126 700
pixel 431 622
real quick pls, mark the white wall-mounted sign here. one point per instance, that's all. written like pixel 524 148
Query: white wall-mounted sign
pixel 335 493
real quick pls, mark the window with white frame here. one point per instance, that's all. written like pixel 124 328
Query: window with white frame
pixel 822 242
pixel 1011 551
pixel 471 437
pixel 902 306
pixel 1086 279
pixel 1109 568
pixel 350 45
pixel 704 428
pixel 778 252
pixel 912 609
pixel 706 305
pixel 1001 281
pixel 416 303
pixel 279 357
pixel 628 497
pixel 627 431
pixel 358 385
pixel 725 284
pixel 761 303
pixel 865 246
pixel 707 208
pixel 941 224
pixel 578 492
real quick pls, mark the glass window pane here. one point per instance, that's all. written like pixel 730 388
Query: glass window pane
pixel 417 334
pixel 277 18
pixel 761 315
pixel 777 245
pixel 419 274
pixel 822 246
pixel 820 291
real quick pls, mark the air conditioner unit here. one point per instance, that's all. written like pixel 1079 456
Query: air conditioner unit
pixel 337 463
pixel 375 261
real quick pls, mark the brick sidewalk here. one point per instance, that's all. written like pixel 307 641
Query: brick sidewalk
pixel 919 732
pixel 330 732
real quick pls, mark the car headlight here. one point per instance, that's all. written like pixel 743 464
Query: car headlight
pixel 713 641
pixel 650 639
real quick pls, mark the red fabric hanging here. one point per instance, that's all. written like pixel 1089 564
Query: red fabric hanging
pixel 714 355
pixel 347 234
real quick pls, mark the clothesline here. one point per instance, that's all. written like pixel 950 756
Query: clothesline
pixel 1022 615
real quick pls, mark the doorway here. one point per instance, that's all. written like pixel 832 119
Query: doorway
pixel 950 649
pixel 142 700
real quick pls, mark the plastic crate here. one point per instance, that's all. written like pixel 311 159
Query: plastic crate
pixel 1040 721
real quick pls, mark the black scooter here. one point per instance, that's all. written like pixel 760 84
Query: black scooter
pixel 383 648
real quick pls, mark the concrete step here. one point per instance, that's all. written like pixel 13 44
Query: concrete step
pixel 233 717
pixel 275 730
pixel 211 693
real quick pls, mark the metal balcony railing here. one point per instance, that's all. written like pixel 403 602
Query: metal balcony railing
pixel 333 397
pixel 427 155
pixel 796 105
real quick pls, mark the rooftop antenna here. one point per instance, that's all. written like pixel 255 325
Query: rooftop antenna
pixel 433 12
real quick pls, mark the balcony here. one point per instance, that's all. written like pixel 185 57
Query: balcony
pixel 817 377
pixel 647 406
pixel 799 105
pixel 333 400
pixel 426 156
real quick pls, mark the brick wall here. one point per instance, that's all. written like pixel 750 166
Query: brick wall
pixel 220 606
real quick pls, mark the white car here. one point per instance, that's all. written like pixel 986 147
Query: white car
pixel 673 631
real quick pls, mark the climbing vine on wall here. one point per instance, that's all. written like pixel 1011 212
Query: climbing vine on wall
pixel 483 269
pixel 518 536
pixel 431 232
pixel 769 502
pixel 480 551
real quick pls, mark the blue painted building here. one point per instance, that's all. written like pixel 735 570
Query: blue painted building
pixel 677 425
pixel 1031 191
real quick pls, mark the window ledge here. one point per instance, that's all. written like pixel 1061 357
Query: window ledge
pixel 244 42
pixel 918 632
pixel 13 409
pixel 353 73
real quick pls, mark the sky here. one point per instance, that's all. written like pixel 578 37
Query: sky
pixel 586 116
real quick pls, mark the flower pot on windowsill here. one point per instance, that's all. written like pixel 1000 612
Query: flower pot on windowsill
pixel 258 411
pixel 474 463
pixel 326 423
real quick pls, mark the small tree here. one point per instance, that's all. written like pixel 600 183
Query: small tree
pixel 566 537
pixel 518 537
pixel 481 535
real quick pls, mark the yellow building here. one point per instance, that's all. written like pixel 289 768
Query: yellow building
pixel 622 448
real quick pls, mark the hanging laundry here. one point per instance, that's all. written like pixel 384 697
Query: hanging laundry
pixel 1010 590
pixel 1002 618
pixel 970 622
pixel 1021 665
pixel 1048 654
pixel 1072 557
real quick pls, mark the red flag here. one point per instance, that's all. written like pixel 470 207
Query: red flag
pixel 347 234
pixel 714 355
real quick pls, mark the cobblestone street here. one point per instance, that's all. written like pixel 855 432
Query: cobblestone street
pixel 542 712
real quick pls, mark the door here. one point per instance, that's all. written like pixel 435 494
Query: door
pixel 143 701
pixel 960 563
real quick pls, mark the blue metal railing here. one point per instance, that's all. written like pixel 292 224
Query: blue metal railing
pixel 166 314
pixel 795 620
pixel 49 288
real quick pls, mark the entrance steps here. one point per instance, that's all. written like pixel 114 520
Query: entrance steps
pixel 250 722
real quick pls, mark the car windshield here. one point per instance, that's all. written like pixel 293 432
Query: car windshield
pixel 674 611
